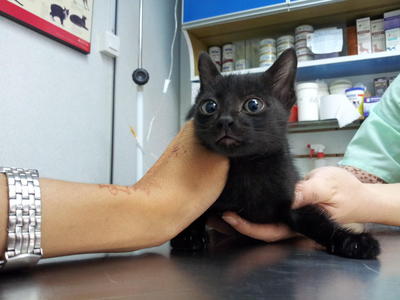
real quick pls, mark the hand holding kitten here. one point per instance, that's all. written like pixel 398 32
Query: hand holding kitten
pixel 335 190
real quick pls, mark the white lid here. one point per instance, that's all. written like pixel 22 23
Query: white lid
pixel 303 28
pixel 340 82
pixel 285 39
pixel 307 85
pixel 322 85
pixel 267 41
pixel 354 89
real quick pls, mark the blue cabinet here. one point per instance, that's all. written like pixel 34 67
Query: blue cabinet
pixel 194 10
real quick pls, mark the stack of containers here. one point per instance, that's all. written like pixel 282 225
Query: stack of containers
pixel 303 52
pixel 267 52
pixel 284 42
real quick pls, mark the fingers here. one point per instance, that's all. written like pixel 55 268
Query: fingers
pixel 314 188
pixel 306 192
pixel 264 232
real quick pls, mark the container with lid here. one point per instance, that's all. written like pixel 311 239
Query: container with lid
pixel 282 47
pixel 302 36
pixel 356 97
pixel 215 53
pixel 252 53
pixel 267 49
pixel 305 57
pixel 228 52
pixel 369 103
pixel 301 44
pixel 304 28
pixel 267 42
pixel 307 101
pixel 303 51
pixel 228 57
pixel 339 86
pixel 322 89
pixel 241 64
pixel 268 56
pixel 285 39
pixel 240 55
pixel 228 66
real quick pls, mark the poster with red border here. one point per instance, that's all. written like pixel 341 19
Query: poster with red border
pixel 67 21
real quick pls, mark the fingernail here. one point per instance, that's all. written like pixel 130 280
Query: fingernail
pixel 230 220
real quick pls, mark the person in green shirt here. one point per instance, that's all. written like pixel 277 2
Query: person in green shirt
pixel 375 148
pixel 351 193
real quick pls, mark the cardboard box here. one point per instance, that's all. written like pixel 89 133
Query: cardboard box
pixel 378 38
pixel 364 35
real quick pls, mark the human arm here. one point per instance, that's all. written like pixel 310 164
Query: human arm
pixel 84 218
pixel 341 195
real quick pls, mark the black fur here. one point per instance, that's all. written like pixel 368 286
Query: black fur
pixel 262 176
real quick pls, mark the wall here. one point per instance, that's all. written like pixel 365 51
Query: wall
pixel 158 29
pixel 55 103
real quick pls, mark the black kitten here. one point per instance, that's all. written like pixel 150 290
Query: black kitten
pixel 244 117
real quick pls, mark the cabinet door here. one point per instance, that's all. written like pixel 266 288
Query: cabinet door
pixel 194 10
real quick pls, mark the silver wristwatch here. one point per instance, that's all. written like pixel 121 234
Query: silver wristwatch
pixel 24 218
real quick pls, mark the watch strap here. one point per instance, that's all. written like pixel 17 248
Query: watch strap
pixel 24 218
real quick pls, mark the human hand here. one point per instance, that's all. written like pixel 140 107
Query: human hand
pixel 335 190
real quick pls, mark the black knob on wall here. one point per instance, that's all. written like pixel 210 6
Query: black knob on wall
pixel 140 76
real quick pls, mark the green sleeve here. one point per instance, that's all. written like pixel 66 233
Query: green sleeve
pixel 375 148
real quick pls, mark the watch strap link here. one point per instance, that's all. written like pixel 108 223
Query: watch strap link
pixel 24 218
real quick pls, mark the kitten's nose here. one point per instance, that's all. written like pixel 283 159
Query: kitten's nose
pixel 225 122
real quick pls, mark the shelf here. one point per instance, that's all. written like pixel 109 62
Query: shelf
pixel 339 66
pixel 269 22
pixel 323 125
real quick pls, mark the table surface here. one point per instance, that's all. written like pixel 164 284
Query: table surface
pixel 294 269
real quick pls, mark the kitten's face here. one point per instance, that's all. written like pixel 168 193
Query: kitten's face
pixel 242 115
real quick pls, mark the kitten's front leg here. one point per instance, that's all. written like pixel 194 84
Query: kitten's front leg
pixel 193 238
pixel 314 223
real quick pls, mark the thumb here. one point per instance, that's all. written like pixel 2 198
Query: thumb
pixel 264 232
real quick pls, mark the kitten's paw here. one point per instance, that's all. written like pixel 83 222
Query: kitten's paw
pixel 362 246
pixel 190 241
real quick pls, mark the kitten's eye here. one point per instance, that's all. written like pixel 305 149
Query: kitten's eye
pixel 209 107
pixel 253 105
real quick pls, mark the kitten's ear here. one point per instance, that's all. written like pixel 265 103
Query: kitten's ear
pixel 207 69
pixel 283 75
pixel 191 112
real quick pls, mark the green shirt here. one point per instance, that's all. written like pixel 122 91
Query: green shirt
pixel 375 148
